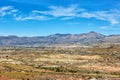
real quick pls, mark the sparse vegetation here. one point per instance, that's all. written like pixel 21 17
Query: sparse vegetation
pixel 60 63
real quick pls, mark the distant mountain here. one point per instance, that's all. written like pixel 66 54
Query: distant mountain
pixel 112 39
pixel 85 38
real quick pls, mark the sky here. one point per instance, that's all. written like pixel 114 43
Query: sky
pixel 46 17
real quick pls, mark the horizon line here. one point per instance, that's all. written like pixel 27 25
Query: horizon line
pixel 55 34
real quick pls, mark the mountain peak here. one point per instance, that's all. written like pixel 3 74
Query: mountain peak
pixel 93 32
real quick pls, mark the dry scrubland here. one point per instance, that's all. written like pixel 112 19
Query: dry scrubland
pixel 60 63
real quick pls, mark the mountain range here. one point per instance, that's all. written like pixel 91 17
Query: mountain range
pixel 84 39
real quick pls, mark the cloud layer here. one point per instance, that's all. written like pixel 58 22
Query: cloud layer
pixel 7 10
pixel 64 13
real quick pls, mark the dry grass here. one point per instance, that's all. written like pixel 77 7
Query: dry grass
pixel 64 64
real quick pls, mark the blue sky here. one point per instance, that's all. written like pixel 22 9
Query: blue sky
pixel 45 17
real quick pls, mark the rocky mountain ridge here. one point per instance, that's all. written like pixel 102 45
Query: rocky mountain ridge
pixel 85 38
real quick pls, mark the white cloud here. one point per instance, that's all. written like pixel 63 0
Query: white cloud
pixel 7 10
pixel 58 11
pixel 61 11
pixel 73 11
pixel 35 17
pixel 110 16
